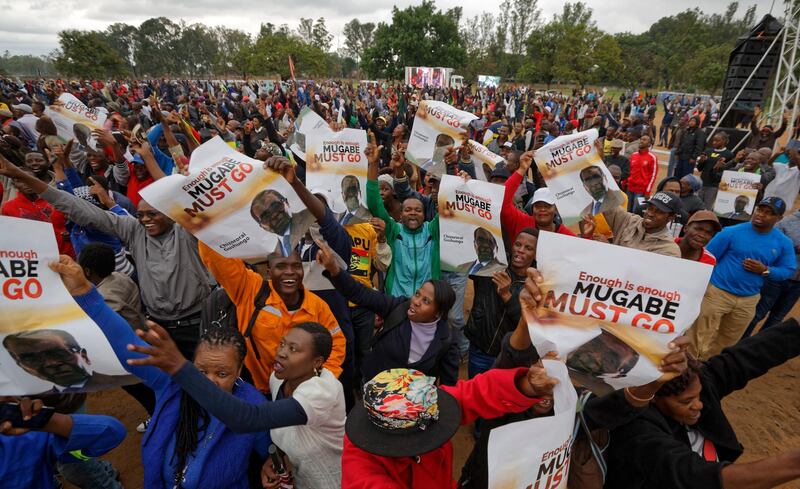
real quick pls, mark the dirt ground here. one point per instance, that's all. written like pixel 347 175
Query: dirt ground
pixel 765 415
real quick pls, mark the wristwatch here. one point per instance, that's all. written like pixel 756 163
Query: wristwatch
pixel 765 273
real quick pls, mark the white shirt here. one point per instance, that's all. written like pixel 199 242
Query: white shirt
pixel 315 448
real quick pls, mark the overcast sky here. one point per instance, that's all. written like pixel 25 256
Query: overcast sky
pixel 32 26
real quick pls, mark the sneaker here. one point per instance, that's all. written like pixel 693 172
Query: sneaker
pixel 143 426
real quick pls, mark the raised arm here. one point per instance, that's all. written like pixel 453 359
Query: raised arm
pixel 116 330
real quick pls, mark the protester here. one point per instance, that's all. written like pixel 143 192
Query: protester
pixel 778 297
pixel 600 413
pixel 411 457
pixel 173 299
pixel 699 230
pixel 712 163
pixel 495 306
pixel 307 412
pixel 415 333
pixel 765 136
pixel 692 143
pixel 615 158
pixel 746 254
pixel 514 220
pixel 687 426
pixel 644 169
pixel 648 232
pixel 414 241
pixel 64 438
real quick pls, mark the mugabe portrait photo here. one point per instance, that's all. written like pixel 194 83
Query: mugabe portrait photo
pixel 56 357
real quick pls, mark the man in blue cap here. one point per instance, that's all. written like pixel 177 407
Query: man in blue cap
pixel 747 254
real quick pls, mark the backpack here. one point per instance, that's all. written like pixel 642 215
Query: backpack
pixel 258 303
pixel 587 466
pixel 218 311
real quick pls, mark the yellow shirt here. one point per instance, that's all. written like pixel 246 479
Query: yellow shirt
pixel 600 223
pixel 365 244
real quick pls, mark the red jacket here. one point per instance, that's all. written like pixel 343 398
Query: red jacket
pixel 514 220
pixel 41 210
pixel 644 168
pixel 488 395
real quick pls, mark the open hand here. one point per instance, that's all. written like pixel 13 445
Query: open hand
pixel 326 258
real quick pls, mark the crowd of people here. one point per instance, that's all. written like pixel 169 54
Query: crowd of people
pixel 250 379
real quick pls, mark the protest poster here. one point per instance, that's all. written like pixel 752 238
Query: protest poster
pixel 610 311
pixel 232 204
pixel 307 121
pixel 469 220
pixel 49 344
pixel 486 81
pixel 437 127
pixel 337 163
pixel 483 159
pixel 737 194
pixel 535 453
pixel 74 120
pixel 577 176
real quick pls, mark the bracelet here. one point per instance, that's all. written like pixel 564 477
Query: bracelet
pixel 628 391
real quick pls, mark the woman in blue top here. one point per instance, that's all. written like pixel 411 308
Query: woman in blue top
pixel 184 446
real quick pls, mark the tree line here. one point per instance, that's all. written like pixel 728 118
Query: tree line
pixel 686 51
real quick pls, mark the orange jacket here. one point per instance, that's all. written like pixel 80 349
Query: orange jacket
pixel 274 320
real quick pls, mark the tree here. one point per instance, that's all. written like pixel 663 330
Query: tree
pixel 357 38
pixel 305 29
pixel 26 65
pixel 122 38
pixel 199 50
pixel 156 53
pixel 271 51
pixel 524 18
pixel 234 51
pixel 87 54
pixel 420 35
pixel 320 37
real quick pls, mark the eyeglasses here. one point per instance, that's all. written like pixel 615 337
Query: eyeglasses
pixel 59 354
pixel 273 209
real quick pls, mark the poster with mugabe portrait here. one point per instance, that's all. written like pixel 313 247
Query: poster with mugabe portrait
pixel 49 344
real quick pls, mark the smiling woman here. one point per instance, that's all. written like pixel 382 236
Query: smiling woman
pixel 415 333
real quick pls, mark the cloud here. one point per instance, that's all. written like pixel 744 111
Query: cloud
pixel 33 26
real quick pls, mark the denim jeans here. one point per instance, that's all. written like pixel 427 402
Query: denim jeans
pixel 479 362
pixel 455 318
pixel 90 474
pixel 777 299
pixel 683 168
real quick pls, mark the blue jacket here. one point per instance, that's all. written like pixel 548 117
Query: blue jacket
pixel 28 461
pixel 734 244
pixel 165 161
pixel 440 360
pixel 229 453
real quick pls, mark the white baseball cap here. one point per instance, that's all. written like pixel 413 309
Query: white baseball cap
pixel 544 195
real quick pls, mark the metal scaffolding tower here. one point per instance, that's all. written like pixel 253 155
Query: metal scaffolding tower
pixel 786 92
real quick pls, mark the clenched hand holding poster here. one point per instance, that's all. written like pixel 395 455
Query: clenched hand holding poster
pixel 437 127
pixel 470 238
pixel 337 163
pixel 737 195
pixel 535 454
pixel 576 175
pixel 232 204
pixel 610 311
pixel 74 120
pixel 48 343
